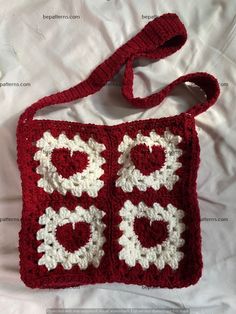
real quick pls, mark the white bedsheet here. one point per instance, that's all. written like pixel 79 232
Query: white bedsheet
pixel 53 55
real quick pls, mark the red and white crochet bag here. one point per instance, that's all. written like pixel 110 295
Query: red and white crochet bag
pixel 114 203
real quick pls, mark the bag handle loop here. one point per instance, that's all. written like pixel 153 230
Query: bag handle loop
pixel 158 39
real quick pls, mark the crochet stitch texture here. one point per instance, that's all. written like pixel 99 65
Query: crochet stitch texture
pixel 114 203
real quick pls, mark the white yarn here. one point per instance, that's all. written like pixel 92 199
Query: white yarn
pixel 130 176
pixel 87 180
pixel 55 253
pixel 166 253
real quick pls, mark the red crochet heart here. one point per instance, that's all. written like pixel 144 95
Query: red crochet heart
pixel 73 238
pixel 66 163
pixel 146 161
pixel 150 233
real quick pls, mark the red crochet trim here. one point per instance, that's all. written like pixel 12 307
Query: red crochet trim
pixel 76 187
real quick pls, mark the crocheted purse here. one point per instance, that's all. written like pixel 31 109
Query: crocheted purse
pixel 114 203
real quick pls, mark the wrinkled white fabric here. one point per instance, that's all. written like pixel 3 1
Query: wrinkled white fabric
pixel 55 54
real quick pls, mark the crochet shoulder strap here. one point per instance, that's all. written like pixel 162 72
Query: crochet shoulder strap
pixel 158 39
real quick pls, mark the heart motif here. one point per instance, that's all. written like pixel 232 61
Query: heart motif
pixel 66 163
pixel 73 236
pixel 150 233
pixel 146 161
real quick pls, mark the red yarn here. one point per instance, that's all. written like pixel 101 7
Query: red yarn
pixel 158 39
pixel 145 160
pixel 67 164
pixel 150 234
pixel 72 238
